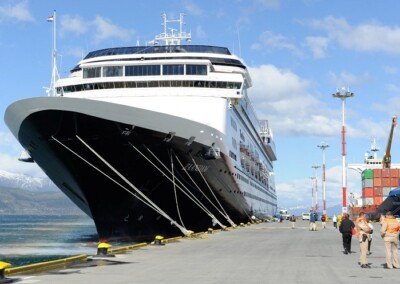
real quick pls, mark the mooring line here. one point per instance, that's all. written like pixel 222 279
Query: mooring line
pixel 188 193
pixel 160 211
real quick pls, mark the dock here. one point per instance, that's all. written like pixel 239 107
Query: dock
pixel 257 253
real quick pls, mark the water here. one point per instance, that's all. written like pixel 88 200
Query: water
pixel 30 239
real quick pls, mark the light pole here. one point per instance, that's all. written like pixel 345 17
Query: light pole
pixel 315 167
pixel 343 96
pixel 323 146
pixel 312 193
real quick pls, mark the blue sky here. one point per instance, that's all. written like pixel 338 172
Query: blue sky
pixel 298 52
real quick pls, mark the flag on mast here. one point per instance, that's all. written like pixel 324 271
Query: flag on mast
pixel 50 18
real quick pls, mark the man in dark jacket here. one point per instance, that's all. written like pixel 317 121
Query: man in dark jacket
pixel 345 228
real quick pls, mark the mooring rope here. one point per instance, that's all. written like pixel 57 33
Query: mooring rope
pixel 103 173
pixel 199 189
pixel 205 181
pixel 189 194
pixel 182 229
pixel 144 198
pixel 176 196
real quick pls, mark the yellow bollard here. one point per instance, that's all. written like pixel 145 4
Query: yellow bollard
pixel 158 241
pixel 3 266
pixel 102 248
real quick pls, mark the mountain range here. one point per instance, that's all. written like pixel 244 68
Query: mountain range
pixel 26 195
pixel 21 181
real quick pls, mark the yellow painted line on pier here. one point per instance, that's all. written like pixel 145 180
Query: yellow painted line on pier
pixel 126 248
pixel 36 267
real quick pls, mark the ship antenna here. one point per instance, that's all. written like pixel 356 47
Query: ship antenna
pixel 172 38
pixel 374 147
pixel 51 91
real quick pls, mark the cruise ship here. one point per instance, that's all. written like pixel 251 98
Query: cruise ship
pixel 160 139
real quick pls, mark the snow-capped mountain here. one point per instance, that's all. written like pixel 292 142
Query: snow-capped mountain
pixel 36 184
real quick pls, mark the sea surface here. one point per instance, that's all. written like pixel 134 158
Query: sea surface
pixel 36 238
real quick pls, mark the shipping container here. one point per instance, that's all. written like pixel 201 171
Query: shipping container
pixel 385 173
pixel 377 181
pixel 367 174
pixel 377 200
pixel 394 181
pixel 367 192
pixel 394 173
pixel 367 183
pixel 386 190
pixel 367 201
pixel 386 182
pixel 377 173
pixel 378 191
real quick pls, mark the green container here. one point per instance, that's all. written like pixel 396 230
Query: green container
pixel 367 174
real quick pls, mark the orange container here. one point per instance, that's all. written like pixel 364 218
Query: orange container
pixel 368 192
pixel 394 173
pixel 377 173
pixel 377 191
pixel 378 200
pixel 394 181
pixel 385 181
pixel 386 173
pixel 377 181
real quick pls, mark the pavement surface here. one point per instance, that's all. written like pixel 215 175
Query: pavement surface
pixel 261 253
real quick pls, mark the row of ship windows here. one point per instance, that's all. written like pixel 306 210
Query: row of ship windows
pixel 144 70
pixel 257 198
pixel 249 182
pixel 148 84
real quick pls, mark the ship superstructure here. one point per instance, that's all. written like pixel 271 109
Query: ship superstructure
pixel 155 139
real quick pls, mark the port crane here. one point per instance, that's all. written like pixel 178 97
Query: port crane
pixel 387 158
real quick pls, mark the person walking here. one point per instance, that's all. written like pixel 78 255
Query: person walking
pixel 334 220
pixel 345 228
pixel 313 217
pixel 293 220
pixel 390 234
pixel 323 221
pixel 363 234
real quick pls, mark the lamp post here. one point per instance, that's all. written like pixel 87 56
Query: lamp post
pixel 343 95
pixel 323 146
pixel 315 167
pixel 312 193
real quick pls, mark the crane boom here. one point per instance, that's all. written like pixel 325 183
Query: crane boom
pixel 387 158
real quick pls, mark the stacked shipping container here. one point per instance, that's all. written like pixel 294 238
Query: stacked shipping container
pixel 376 185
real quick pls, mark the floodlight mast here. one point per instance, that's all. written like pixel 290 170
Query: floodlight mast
pixel 323 146
pixel 315 167
pixel 343 95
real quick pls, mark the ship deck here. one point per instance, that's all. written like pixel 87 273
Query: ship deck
pixel 261 253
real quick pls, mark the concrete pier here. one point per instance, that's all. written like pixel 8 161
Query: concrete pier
pixel 260 253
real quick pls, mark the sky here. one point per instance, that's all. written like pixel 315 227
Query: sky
pixel 298 52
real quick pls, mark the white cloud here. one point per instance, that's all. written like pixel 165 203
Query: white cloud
pixel 285 99
pixel 6 138
pixel 282 97
pixel 19 12
pixel 297 193
pixel 200 33
pixel 74 24
pixel 268 40
pixel 371 37
pixel 318 46
pixel 103 29
pixel 193 8
pixel 10 163
pixel 392 70
pixel 106 30
pixel 345 79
